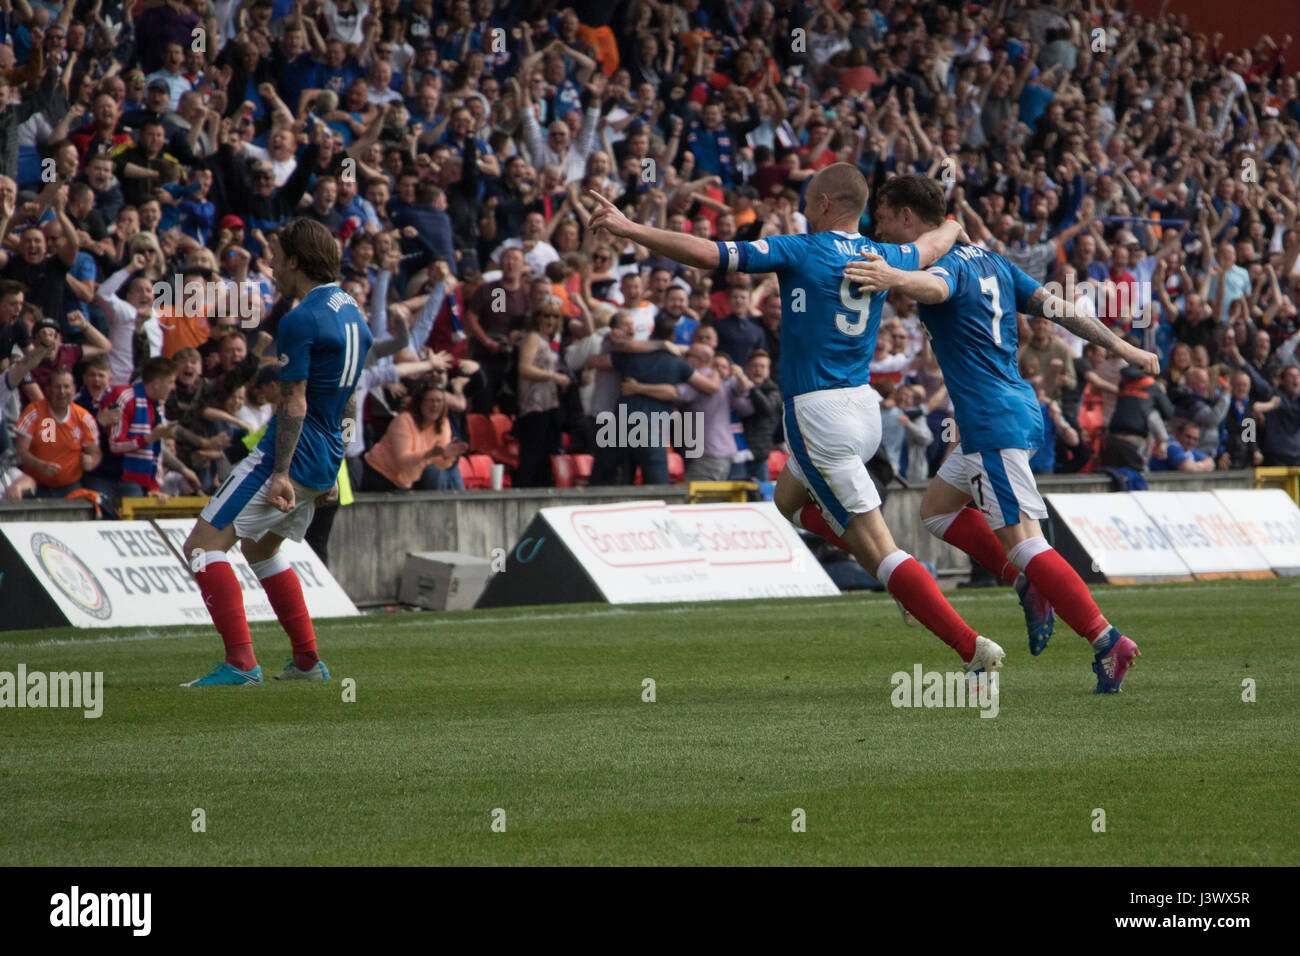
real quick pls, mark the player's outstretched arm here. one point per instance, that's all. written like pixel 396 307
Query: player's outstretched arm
pixel 688 250
pixel 874 274
pixel 1062 312
pixel 934 245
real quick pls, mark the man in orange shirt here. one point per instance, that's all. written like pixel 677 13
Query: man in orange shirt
pixel 56 440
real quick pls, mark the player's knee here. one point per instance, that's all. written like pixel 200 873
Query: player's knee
pixel 1026 550
pixel 938 524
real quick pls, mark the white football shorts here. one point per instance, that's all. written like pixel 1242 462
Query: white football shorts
pixel 242 500
pixel 1000 482
pixel 832 435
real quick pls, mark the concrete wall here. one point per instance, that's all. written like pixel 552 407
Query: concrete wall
pixel 46 510
pixel 373 535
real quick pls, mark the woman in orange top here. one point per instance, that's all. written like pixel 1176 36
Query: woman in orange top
pixel 416 446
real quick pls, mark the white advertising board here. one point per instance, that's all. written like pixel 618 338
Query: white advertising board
pixel 1122 540
pixel 123 574
pixel 645 552
pixel 1211 542
pixel 1271 521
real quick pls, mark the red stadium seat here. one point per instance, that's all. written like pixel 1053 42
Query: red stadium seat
pixel 775 462
pixel 582 465
pixel 467 473
pixel 676 468
pixel 562 470
pixel 501 424
pixel 505 447
pixel 482 467
pixel 482 436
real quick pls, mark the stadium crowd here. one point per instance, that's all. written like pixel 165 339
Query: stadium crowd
pixel 149 153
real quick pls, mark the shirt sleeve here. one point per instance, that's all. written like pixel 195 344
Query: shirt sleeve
pixel 294 338
pixel 938 270
pixel 1024 284
pixel 92 430
pixel 774 254
pixel 900 257
pixel 122 441
pixel 27 423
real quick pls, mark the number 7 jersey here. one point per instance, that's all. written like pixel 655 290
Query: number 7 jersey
pixel 323 341
pixel 828 328
pixel 975 337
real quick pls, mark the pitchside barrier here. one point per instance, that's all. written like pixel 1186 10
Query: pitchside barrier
pixel 1146 536
pixel 652 552
pixel 130 574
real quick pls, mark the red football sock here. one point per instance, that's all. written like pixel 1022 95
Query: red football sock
pixel 1058 582
pixel 811 519
pixel 225 602
pixel 970 532
pixel 920 594
pixel 284 591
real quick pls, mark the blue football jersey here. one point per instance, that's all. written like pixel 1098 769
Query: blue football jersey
pixel 828 328
pixel 975 337
pixel 323 342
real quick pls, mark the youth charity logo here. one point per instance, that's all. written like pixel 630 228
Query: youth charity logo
pixel 71 576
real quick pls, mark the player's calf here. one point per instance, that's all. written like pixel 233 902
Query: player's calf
pixel 1061 585
pixel 967 530
pixel 284 591
pixel 811 519
pixel 918 592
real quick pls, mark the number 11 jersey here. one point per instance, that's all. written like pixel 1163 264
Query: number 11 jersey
pixel 323 342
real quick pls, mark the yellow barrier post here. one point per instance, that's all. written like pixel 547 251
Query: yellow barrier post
pixel 720 491
pixel 187 506
pixel 1286 478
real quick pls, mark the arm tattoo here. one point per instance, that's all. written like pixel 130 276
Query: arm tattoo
pixel 288 428
pixel 350 415
pixel 1085 327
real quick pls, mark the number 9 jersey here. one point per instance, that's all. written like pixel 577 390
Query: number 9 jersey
pixel 828 328
pixel 323 341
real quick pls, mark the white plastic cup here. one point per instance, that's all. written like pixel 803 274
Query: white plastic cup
pixel 498 477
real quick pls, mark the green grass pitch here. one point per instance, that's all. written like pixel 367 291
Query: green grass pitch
pixel 761 708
